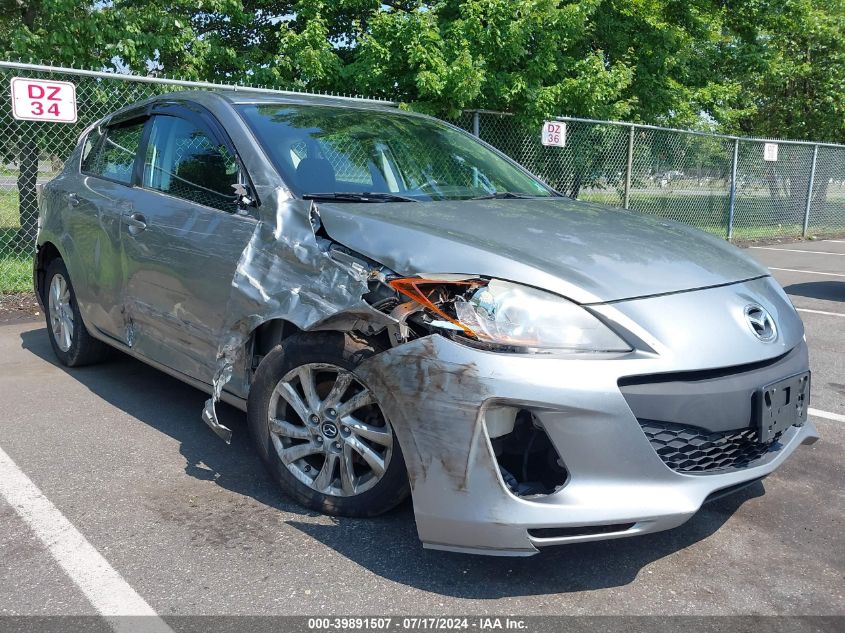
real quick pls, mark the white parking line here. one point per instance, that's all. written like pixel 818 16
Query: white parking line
pixel 795 250
pixel 808 272
pixel 839 314
pixel 826 415
pixel 106 589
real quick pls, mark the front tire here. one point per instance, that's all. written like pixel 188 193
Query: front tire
pixel 321 431
pixel 71 342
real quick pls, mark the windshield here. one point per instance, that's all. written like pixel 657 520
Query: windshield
pixel 326 151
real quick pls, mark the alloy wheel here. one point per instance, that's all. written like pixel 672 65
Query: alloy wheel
pixel 329 431
pixel 61 312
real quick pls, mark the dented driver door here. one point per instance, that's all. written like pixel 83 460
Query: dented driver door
pixel 183 236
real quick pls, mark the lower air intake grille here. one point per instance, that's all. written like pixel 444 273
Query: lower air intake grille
pixel 587 530
pixel 689 449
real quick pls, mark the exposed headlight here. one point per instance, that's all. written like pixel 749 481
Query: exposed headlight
pixel 507 314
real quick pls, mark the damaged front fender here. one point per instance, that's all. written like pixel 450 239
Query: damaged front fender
pixel 287 272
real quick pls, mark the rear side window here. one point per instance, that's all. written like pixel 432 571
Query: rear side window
pixel 114 156
pixel 185 161
pixel 91 142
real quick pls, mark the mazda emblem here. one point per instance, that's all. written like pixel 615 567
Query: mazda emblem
pixel 761 323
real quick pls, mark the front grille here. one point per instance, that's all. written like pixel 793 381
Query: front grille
pixel 689 449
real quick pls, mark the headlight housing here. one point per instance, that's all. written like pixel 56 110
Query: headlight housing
pixel 505 314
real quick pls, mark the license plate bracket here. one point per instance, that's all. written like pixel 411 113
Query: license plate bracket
pixel 782 404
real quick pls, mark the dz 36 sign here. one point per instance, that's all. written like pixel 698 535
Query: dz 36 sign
pixel 554 134
pixel 40 100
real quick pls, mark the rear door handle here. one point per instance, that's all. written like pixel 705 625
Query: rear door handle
pixel 73 199
pixel 136 222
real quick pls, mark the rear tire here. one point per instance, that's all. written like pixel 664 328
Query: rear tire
pixel 322 455
pixel 69 337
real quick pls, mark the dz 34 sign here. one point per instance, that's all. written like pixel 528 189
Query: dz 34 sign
pixel 41 100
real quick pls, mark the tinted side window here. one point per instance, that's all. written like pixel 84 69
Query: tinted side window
pixel 91 142
pixel 185 161
pixel 114 156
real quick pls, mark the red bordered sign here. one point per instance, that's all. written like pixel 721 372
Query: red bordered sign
pixel 553 134
pixel 42 100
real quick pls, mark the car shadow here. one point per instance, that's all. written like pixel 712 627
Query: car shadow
pixel 826 290
pixel 388 545
pixel 174 408
pixel 393 551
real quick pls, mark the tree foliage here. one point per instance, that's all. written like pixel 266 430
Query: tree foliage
pixel 789 56
pixel 766 67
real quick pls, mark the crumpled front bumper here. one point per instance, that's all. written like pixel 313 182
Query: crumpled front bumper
pixel 437 392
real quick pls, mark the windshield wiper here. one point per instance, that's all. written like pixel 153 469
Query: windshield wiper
pixel 354 196
pixel 502 195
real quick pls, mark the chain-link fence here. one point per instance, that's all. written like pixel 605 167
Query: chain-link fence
pixel 738 188
pixel 720 184
pixel 32 152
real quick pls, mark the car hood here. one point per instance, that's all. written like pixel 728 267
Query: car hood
pixel 586 252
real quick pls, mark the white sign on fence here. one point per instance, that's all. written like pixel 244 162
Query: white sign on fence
pixel 41 100
pixel 554 134
pixel 770 152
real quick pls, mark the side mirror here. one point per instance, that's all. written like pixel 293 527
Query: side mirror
pixel 244 195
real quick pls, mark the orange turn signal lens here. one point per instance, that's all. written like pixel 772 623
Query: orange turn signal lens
pixel 420 290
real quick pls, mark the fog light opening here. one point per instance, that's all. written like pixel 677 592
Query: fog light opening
pixel 527 460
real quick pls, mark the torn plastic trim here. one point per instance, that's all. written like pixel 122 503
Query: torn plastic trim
pixel 291 270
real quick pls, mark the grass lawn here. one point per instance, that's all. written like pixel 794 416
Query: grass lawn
pixel 15 270
pixel 15 266
pixel 9 208
pixel 755 218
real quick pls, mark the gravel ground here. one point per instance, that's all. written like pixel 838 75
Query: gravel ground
pixel 15 308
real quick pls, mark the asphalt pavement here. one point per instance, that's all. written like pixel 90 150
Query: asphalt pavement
pixel 193 526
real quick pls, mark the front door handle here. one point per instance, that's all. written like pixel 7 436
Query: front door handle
pixel 137 223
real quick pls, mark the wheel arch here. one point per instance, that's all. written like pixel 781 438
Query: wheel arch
pixel 274 331
pixel 266 336
pixel 45 254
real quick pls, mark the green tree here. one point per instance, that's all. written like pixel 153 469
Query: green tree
pixel 64 32
pixel 89 34
pixel 764 67
pixel 516 55
pixel 669 45
pixel 649 60
pixel 789 56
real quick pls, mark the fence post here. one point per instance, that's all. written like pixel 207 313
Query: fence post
pixel 732 200
pixel 476 123
pixel 810 191
pixel 628 169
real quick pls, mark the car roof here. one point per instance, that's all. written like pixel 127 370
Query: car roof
pixel 247 96
pixel 214 97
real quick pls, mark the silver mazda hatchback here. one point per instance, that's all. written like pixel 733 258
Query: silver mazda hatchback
pixel 400 308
